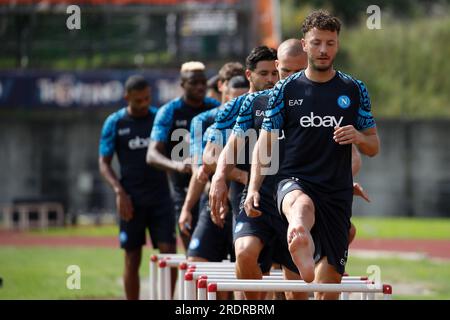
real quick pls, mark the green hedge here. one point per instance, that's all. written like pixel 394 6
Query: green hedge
pixel 405 65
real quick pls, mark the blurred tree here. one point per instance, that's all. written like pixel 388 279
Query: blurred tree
pixel 351 11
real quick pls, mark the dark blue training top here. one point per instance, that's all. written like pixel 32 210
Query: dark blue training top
pixel 174 115
pixel 129 137
pixel 225 119
pixel 219 132
pixel 199 125
pixel 308 111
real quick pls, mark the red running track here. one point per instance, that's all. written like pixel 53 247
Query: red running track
pixel 432 248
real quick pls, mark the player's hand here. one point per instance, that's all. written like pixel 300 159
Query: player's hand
pixel 251 203
pixel 124 206
pixel 202 175
pixel 347 135
pixel 185 221
pixel 183 167
pixel 218 192
pixel 219 220
pixel 359 191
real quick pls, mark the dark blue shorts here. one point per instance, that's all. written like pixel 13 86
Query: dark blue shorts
pixel 270 229
pixel 235 196
pixel 209 241
pixel 159 219
pixel 332 221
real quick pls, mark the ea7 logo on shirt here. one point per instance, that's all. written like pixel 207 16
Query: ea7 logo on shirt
pixel 318 121
pixel 124 131
pixel 138 143
pixel 297 102
pixel 181 123
pixel 260 113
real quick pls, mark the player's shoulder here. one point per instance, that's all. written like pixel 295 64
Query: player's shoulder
pixel 237 102
pixel 262 95
pixel 211 102
pixel 172 105
pixel 206 114
pixel 116 116
pixel 251 97
pixel 230 107
pixel 281 85
pixel 352 81
pixel 153 110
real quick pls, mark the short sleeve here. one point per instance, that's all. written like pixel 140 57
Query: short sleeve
pixel 274 116
pixel 107 144
pixel 163 123
pixel 365 119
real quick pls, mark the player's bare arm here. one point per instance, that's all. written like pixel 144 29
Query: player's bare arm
pixel 210 159
pixel 156 157
pixel 367 141
pixel 256 177
pixel 226 163
pixel 192 197
pixel 123 201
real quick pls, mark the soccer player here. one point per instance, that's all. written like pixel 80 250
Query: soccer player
pixel 322 112
pixel 142 193
pixel 165 136
pixel 208 242
pixel 213 88
pixel 251 235
pixel 262 74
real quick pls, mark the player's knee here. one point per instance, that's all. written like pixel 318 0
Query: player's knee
pixel 245 255
pixel 303 206
pixel 166 248
pixel 132 261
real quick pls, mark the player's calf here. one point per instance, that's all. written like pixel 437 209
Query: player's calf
pixel 326 273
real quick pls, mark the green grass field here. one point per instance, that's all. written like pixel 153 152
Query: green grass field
pixel 368 228
pixel 40 272
pixel 402 228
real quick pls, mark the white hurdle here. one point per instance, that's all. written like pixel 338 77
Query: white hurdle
pixel 174 261
pixel 189 274
pixel 192 292
pixel 171 260
pixel 202 289
pixel 287 285
pixel 153 278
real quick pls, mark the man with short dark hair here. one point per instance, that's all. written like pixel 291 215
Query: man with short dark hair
pixel 322 112
pixel 142 193
pixel 253 238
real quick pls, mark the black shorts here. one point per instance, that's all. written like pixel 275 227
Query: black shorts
pixel 158 219
pixel 332 221
pixel 235 195
pixel 270 229
pixel 209 241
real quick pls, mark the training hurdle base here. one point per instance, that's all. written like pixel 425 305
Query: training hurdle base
pixel 191 288
pixel 287 285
